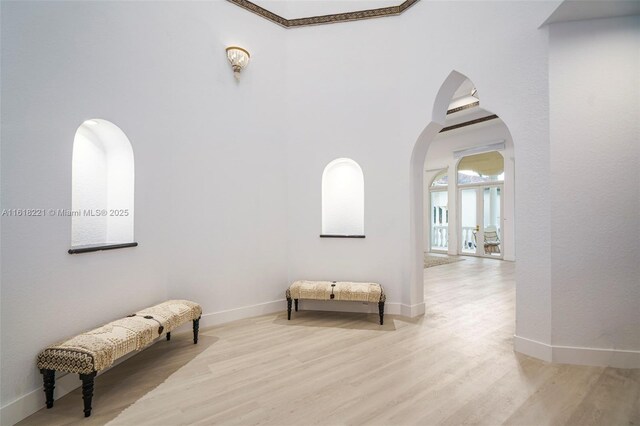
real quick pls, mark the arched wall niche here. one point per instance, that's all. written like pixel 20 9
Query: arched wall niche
pixel 102 185
pixel 342 199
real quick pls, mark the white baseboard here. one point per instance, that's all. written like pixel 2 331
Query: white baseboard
pixel 412 311
pixel 533 348
pixel 391 308
pixel 222 317
pixel 28 404
pixel 577 355
pixel 33 401
pixel 595 356
pixel 345 306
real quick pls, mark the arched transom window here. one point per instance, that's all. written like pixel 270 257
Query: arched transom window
pixel 481 168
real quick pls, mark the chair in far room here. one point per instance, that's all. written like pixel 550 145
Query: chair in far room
pixel 491 240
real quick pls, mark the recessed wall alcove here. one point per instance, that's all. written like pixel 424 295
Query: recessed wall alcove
pixel 343 199
pixel 102 212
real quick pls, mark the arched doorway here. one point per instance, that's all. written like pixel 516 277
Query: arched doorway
pixel 450 101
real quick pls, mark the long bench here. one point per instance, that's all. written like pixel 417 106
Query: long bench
pixel 95 350
pixel 336 290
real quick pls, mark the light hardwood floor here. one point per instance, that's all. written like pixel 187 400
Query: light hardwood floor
pixel 456 365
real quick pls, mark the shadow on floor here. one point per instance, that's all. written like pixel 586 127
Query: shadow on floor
pixel 124 384
pixel 331 319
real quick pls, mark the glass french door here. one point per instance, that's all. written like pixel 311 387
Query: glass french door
pixel 481 221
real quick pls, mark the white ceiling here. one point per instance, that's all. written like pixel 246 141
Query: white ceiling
pixel 305 8
pixel 462 96
pixel 577 10
pixel 464 90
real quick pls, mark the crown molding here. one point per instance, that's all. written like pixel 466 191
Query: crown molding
pixel 463 107
pixel 469 123
pixel 324 19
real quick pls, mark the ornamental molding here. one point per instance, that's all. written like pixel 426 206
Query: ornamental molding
pixel 334 18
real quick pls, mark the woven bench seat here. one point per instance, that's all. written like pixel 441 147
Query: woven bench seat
pixel 336 290
pixel 95 350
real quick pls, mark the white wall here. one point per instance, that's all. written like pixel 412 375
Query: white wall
pixel 352 94
pixel 228 162
pixel 209 157
pixel 228 175
pixel 594 80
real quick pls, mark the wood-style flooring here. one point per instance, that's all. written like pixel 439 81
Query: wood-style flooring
pixel 454 366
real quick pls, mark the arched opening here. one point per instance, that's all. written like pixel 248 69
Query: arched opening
pixel 435 200
pixel 102 185
pixel 343 199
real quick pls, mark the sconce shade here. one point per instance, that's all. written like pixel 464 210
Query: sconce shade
pixel 238 58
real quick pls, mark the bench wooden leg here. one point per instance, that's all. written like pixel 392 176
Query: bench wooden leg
pixel 381 310
pixel 289 308
pixel 296 303
pixel 196 327
pixel 49 379
pixel 168 336
pixel 87 391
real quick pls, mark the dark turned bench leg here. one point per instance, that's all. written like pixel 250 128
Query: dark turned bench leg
pixel 196 327
pixel 49 379
pixel 87 391
pixel 296 303
pixel 168 336
pixel 381 310
pixel 288 308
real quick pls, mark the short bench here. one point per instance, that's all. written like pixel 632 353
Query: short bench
pixel 336 290
pixel 95 350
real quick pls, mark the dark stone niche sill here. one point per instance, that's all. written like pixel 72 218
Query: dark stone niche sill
pixel 340 236
pixel 99 247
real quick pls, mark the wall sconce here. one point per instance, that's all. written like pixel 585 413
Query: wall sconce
pixel 238 58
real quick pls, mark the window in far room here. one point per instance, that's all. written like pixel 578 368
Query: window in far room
pixel 440 211
pixel 481 168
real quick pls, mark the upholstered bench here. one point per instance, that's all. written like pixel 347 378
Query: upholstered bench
pixel 90 352
pixel 336 290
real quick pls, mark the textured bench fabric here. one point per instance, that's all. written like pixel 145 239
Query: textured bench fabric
pixel 343 290
pixel 336 290
pixel 95 350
